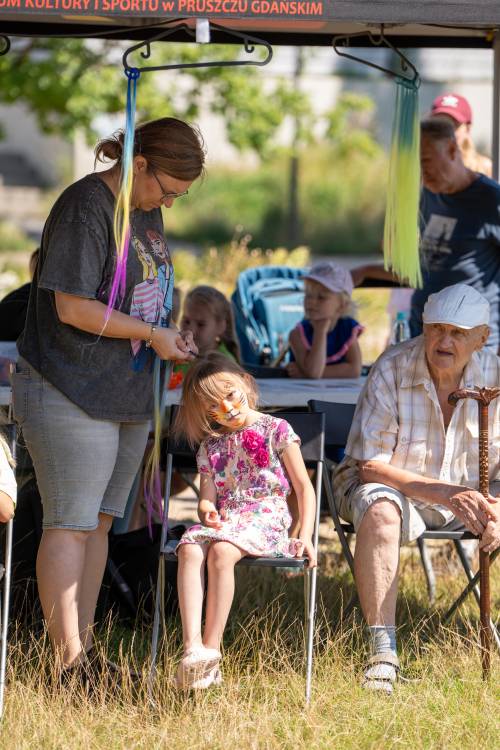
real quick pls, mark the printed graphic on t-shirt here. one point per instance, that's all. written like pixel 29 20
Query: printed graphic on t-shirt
pixel 435 240
pixel 152 297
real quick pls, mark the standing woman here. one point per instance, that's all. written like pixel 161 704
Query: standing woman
pixel 83 386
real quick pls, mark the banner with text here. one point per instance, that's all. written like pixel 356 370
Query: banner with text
pixel 284 9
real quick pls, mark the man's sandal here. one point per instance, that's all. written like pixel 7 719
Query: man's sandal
pixel 381 673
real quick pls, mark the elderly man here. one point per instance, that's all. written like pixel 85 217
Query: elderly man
pixel 460 227
pixel 412 459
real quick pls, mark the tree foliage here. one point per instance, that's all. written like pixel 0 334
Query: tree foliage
pixel 66 83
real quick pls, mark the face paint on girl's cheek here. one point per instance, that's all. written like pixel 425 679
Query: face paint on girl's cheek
pixel 236 415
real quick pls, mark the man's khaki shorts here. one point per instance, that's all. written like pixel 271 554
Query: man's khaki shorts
pixel 414 521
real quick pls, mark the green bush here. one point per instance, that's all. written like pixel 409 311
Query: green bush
pixel 341 203
pixel 221 266
pixel 12 238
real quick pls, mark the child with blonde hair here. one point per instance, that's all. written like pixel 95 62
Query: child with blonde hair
pixel 208 314
pixel 325 344
pixel 247 461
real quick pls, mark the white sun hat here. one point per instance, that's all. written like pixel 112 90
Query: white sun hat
pixel 459 305
pixel 331 275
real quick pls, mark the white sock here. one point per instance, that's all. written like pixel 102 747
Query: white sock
pixel 382 639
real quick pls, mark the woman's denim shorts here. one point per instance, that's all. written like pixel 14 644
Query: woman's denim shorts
pixel 83 466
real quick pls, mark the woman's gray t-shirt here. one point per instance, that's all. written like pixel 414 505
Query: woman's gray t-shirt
pixel 108 378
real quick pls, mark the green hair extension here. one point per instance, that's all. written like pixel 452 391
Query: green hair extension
pixel 401 233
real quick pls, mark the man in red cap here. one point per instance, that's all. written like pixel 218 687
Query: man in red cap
pixel 457 109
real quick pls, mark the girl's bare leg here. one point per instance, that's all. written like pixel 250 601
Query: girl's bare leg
pixel 221 559
pixel 190 584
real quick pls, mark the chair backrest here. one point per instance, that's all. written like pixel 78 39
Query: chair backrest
pixel 311 432
pixel 308 426
pixel 178 446
pixel 338 420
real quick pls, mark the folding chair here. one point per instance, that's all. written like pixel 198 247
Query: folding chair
pixel 310 428
pixel 337 426
pixel 338 422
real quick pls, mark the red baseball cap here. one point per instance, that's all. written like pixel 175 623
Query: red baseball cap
pixel 454 105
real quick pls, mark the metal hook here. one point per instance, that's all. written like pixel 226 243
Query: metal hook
pixel 147 51
pixel 405 63
pixel 6 44
pixel 249 43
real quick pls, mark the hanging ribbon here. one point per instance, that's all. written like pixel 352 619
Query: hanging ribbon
pixel 401 232
pixel 121 222
pixel 122 234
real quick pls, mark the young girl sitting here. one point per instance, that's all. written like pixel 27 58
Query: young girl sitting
pixel 246 462
pixel 325 344
pixel 208 314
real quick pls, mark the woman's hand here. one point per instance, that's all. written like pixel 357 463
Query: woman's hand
pixel 188 339
pixel 305 548
pixel 472 509
pixel 212 518
pixel 168 343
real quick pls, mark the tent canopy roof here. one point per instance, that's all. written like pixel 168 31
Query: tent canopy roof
pixel 442 23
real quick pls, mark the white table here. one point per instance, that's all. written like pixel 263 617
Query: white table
pixel 290 392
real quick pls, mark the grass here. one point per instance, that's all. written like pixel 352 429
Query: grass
pixel 260 705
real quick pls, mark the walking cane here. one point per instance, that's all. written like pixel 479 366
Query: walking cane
pixel 483 396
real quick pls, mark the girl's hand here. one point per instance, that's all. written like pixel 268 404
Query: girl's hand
pixel 305 548
pixel 321 325
pixel 169 344
pixel 212 519
pixel 294 370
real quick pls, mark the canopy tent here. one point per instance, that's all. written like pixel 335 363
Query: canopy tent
pixel 436 23
pixel 423 23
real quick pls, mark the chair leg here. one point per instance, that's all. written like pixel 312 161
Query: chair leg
pixel 5 610
pixel 159 602
pixel 428 570
pixel 351 605
pixel 336 522
pixel 462 555
pixel 475 590
pixel 191 484
pixel 310 579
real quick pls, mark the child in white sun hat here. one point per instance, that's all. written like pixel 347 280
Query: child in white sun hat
pixel 325 343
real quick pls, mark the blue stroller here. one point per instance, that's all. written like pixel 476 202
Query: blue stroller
pixel 267 303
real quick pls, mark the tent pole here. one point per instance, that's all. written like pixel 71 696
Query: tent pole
pixel 495 145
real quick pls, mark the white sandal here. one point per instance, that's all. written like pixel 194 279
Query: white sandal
pixel 195 665
pixel 381 673
pixel 214 677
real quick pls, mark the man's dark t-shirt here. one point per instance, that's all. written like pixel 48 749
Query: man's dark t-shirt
pixel 460 242
pixel 108 378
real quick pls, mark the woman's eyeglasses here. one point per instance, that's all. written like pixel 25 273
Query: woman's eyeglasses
pixel 166 196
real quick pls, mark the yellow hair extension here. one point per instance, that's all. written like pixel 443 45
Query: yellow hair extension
pixel 401 233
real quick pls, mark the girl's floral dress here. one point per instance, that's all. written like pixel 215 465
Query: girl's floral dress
pixel 252 488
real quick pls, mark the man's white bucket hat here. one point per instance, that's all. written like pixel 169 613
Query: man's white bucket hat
pixel 459 305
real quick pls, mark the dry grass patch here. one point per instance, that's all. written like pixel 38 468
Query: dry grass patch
pixel 260 705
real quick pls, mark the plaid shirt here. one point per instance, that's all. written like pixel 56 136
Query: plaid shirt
pixel 398 420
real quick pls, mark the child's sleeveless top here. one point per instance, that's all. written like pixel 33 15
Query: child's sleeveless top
pixel 339 340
